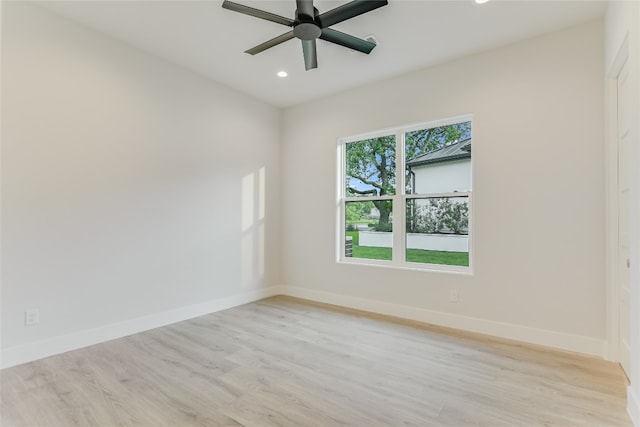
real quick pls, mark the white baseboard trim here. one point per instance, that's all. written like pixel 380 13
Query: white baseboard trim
pixel 37 350
pixel 633 406
pixel 558 340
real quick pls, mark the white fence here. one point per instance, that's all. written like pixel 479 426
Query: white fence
pixel 432 242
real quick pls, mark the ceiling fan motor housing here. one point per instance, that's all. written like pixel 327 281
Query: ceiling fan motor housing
pixel 305 27
pixel 307 31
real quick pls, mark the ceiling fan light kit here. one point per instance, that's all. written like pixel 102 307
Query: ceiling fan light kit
pixel 310 25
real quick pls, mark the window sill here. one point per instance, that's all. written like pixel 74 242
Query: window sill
pixel 426 268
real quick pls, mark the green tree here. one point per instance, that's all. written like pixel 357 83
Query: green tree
pixel 371 169
pixel 422 141
pixel 355 211
pixel 371 163
pixel 456 217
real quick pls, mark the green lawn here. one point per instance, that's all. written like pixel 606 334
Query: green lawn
pixel 413 255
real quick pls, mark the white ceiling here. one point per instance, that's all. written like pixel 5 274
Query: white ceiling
pixel 205 38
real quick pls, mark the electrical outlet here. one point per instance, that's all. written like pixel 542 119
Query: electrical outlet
pixel 31 317
pixel 454 296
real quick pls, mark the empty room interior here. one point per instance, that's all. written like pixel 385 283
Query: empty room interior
pixel 417 213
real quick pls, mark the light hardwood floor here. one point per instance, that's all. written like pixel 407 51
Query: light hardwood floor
pixel 287 362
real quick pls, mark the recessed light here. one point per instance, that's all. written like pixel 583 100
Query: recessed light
pixel 282 74
pixel 481 1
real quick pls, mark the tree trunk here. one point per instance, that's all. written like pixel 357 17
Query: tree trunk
pixel 384 216
pixel 384 207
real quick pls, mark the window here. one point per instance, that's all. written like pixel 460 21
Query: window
pixel 405 196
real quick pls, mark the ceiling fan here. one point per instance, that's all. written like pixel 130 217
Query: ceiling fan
pixel 310 25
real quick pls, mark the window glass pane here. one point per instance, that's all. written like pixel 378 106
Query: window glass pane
pixel 438 159
pixel 368 229
pixel 370 167
pixel 437 230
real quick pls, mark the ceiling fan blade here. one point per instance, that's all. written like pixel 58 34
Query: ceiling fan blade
pixel 236 7
pixel 310 54
pixel 305 9
pixel 270 43
pixel 346 40
pixel 349 10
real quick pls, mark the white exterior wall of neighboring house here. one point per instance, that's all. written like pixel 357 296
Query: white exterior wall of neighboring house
pixel 430 242
pixel 445 177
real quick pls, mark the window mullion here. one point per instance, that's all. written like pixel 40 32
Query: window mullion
pixel 438 195
pixel 399 214
pixel 341 218
pixel 367 198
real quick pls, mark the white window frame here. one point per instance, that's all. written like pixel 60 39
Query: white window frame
pixel 398 252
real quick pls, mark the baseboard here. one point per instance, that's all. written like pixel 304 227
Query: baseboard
pixel 633 406
pixel 558 340
pixel 26 353
pixel 37 350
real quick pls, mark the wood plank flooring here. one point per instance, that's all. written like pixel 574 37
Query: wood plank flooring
pixel 288 362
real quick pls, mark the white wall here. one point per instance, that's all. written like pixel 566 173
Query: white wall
pixel 622 22
pixel 437 242
pixel 129 188
pixel 538 178
pixel 443 177
pixel 429 242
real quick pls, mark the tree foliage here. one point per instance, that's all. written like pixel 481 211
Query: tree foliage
pixel 438 215
pixel 371 163
pixel 355 211
pixel 426 140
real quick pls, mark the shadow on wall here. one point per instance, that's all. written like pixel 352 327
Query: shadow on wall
pixel 253 234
